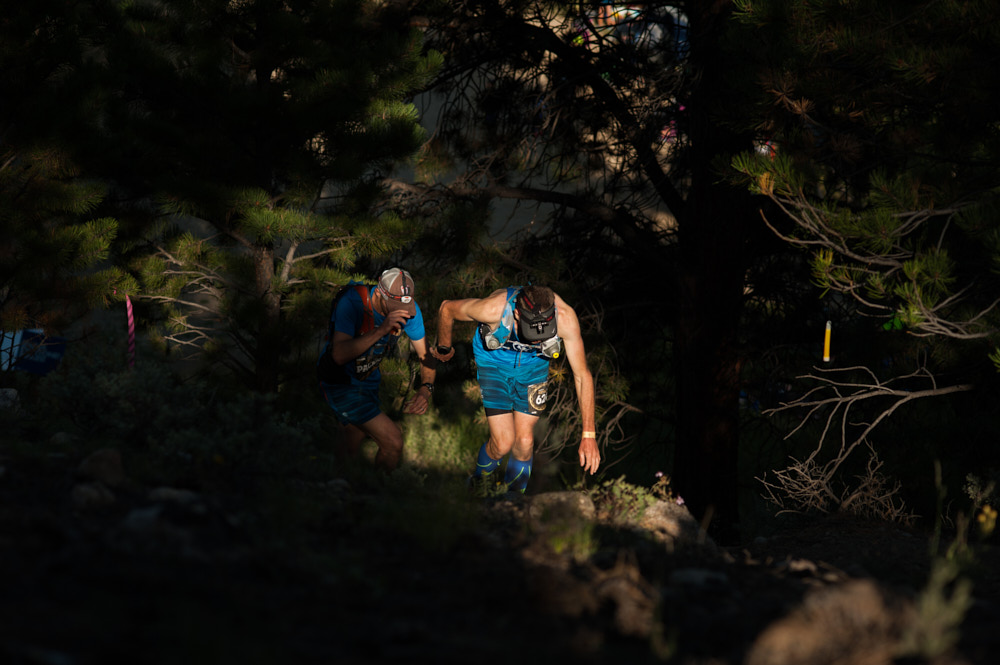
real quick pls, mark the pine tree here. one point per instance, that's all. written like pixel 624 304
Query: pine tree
pixel 884 119
pixel 881 121
pixel 260 131
pixel 53 263
pixel 55 243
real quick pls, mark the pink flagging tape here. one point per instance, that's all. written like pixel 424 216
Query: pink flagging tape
pixel 131 332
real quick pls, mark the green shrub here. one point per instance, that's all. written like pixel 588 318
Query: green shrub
pixel 619 501
pixel 171 427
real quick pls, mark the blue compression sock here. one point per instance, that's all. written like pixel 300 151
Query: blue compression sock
pixel 517 475
pixel 485 465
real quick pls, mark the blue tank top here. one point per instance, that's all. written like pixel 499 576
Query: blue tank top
pixel 512 352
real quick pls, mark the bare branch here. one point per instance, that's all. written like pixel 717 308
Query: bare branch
pixel 809 484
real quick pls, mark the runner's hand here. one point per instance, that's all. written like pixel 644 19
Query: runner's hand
pixel 417 404
pixel 590 456
pixel 394 321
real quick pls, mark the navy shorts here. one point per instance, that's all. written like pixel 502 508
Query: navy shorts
pixel 503 393
pixel 352 404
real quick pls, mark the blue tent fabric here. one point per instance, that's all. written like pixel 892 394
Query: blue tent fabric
pixel 31 351
pixel 10 343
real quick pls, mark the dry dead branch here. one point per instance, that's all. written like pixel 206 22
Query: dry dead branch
pixel 814 485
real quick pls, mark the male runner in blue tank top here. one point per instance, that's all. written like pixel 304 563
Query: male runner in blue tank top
pixel 365 327
pixel 519 332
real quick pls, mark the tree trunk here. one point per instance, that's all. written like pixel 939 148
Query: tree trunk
pixel 267 351
pixel 713 256
pixel 706 346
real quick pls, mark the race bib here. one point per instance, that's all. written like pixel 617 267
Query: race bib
pixel 537 395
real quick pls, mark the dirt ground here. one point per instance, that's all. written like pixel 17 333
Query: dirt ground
pixel 92 575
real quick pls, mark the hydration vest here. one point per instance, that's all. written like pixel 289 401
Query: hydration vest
pixel 495 339
pixel 499 338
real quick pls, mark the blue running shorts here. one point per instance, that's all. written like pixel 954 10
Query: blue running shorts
pixel 507 389
pixel 352 404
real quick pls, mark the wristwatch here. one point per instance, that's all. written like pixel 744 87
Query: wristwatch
pixel 429 386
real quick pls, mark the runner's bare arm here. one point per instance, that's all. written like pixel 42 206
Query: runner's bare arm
pixel 583 381
pixel 482 310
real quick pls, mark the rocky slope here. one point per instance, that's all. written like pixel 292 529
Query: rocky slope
pixel 96 570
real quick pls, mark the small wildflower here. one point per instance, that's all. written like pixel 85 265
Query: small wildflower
pixel 658 474
pixel 680 501
pixel 987 519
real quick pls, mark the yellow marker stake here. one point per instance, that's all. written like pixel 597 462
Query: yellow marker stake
pixel 826 344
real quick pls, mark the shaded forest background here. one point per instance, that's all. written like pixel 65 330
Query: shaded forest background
pixel 708 183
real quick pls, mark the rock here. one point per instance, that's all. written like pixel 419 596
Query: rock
pixel 854 622
pixel 62 439
pixel 557 591
pixel 145 519
pixel 10 399
pixel 632 598
pixel 339 485
pixel 87 496
pixel 674 524
pixel 104 466
pixel 696 577
pixel 173 494
pixel 560 508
